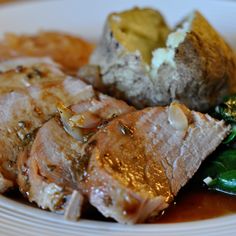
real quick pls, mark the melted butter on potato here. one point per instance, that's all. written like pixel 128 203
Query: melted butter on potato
pixel 140 30
pixel 174 39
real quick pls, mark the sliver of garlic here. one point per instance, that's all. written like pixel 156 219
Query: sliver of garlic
pixel 177 117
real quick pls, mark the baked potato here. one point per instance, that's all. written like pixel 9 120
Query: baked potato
pixel 144 63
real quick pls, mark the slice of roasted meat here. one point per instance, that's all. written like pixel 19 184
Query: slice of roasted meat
pixel 30 90
pixel 139 161
pixel 69 51
pixel 50 172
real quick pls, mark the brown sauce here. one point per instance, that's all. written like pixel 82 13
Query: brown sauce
pixel 198 204
pixel 191 204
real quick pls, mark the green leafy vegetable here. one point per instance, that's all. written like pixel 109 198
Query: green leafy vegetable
pixel 231 136
pixel 225 182
pixel 222 172
pixel 219 173
pixel 227 110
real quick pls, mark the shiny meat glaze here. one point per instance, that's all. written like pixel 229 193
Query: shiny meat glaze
pixel 29 95
pixel 139 161
pixel 55 165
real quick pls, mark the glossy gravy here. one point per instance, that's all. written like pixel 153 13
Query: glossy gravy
pixel 191 204
pixel 197 204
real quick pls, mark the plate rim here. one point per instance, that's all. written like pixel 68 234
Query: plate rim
pixel 164 227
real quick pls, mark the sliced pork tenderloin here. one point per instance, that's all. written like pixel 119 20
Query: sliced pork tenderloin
pixel 54 167
pixel 29 93
pixel 139 161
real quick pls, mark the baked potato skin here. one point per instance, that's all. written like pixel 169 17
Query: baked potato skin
pixel 203 74
pixel 123 73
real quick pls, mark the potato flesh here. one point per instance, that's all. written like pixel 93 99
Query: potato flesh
pixel 140 30
pixel 167 54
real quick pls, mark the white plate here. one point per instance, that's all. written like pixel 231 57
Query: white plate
pixel 86 18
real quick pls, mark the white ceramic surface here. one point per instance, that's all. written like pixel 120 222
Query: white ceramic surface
pixel 86 18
